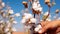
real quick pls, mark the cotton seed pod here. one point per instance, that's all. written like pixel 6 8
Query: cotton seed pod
pixel 57 11
pixel 25 4
pixel 49 4
pixel 47 1
pixel 53 3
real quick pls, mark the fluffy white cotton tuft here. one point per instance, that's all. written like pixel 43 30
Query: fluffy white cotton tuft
pixel 46 13
pixel 23 21
pixel 10 12
pixel 33 20
pixel 17 14
pixel 38 28
pixel 3 4
pixel 27 16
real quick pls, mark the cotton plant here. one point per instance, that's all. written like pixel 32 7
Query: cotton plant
pixel 36 6
pixel 28 19
pixel 8 19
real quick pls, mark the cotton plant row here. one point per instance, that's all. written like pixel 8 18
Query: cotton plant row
pixel 10 19
pixel 7 19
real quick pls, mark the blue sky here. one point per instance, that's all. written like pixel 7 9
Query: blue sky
pixel 17 6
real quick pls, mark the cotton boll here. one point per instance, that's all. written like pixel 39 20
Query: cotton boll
pixel 39 5
pixel 39 26
pixel 15 22
pixel 10 12
pixel 27 16
pixel 46 13
pixel 40 9
pixel 17 14
pixel 23 21
pixel 30 15
pixel 29 22
pixel 33 20
pixel 36 29
pixel 34 5
pixel 3 4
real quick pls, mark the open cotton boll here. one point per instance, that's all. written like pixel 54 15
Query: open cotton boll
pixel 17 14
pixel 39 26
pixel 3 4
pixel 15 22
pixel 39 5
pixel 36 29
pixel 13 29
pixel 40 9
pixel 10 12
pixel 46 13
pixel 27 16
pixel 33 20
pixel 34 5
pixel 23 21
